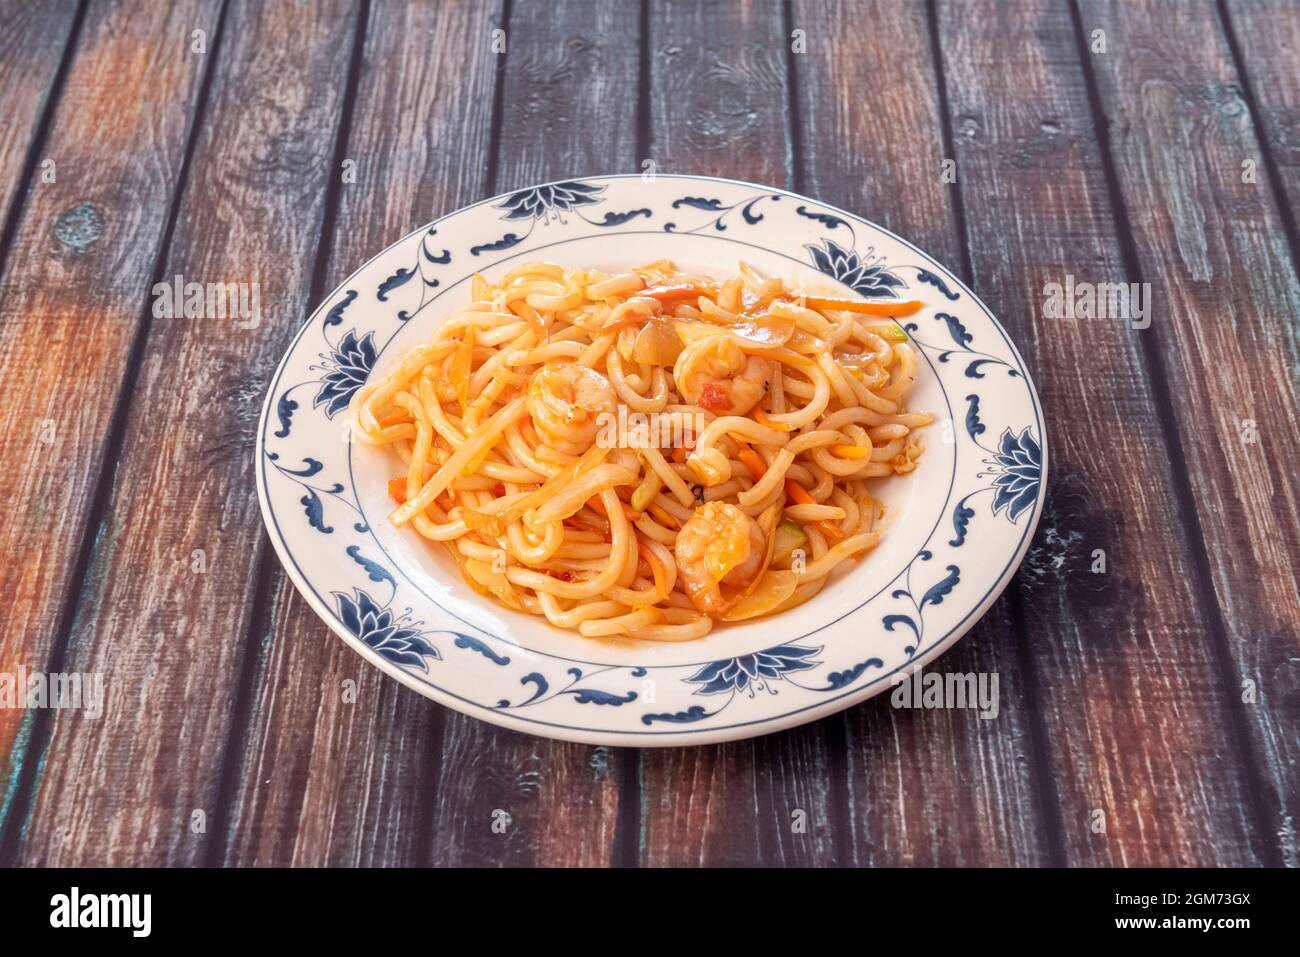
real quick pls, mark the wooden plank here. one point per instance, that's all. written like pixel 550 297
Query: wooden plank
pixel 932 787
pixel 565 65
pixel 718 105
pixel 1211 244
pixel 323 781
pixel 34 50
pixel 1116 656
pixel 31 49
pixel 877 154
pixel 1266 35
pixel 130 787
pixel 718 90
pixel 77 280
pixel 333 768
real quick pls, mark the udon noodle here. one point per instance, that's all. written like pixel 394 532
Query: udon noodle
pixel 644 454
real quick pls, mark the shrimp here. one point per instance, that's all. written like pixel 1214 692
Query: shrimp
pixel 566 401
pixel 715 373
pixel 718 545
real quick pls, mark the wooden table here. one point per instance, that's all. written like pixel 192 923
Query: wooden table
pixel 1148 650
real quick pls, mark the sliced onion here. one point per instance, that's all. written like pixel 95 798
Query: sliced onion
pixel 767 523
pixel 496 582
pixel 774 588
pixel 801 594
pixel 807 344
pixel 752 335
pixel 657 344
pixel 765 331
pixel 857 360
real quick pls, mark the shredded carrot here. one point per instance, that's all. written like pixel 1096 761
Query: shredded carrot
pixel 395 418
pixel 889 310
pixel 656 566
pixel 521 308
pixel 830 530
pixel 532 316
pixel 802 497
pixel 462 363
pixel 764 421
pixel 850 451
pixel 753 461
pixel 397 490
pixel 679 454
pixel 663 518
pixel 798 493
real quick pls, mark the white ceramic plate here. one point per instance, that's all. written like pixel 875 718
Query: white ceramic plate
pixel 958 526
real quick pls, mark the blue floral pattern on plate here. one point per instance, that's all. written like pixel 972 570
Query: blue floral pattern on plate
pixel 864 274
pixel 1019 473
pixel 542 202
pixel 347 369
pixel 982 501
pixel 750 672
pixel 376 626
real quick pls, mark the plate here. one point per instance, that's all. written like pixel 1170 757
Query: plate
pixel 958 526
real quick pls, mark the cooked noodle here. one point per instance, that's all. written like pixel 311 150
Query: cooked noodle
pixel 650 452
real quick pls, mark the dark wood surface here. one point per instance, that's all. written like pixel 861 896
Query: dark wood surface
pixel 1150 713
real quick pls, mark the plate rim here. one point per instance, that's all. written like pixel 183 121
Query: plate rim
pixel 663 737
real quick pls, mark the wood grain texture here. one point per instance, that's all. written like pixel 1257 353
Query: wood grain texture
pixel 924 787
pixel 1116 655
pixel 718 101
pixel 35 41
pixel 718 93
pixel 565 66
pixel 1267 33
pixel 1225 343
pixel 76 284
pixel 322 780
pixel 333 770
pixel 122 790
pixel 872 135
pixel 31 46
